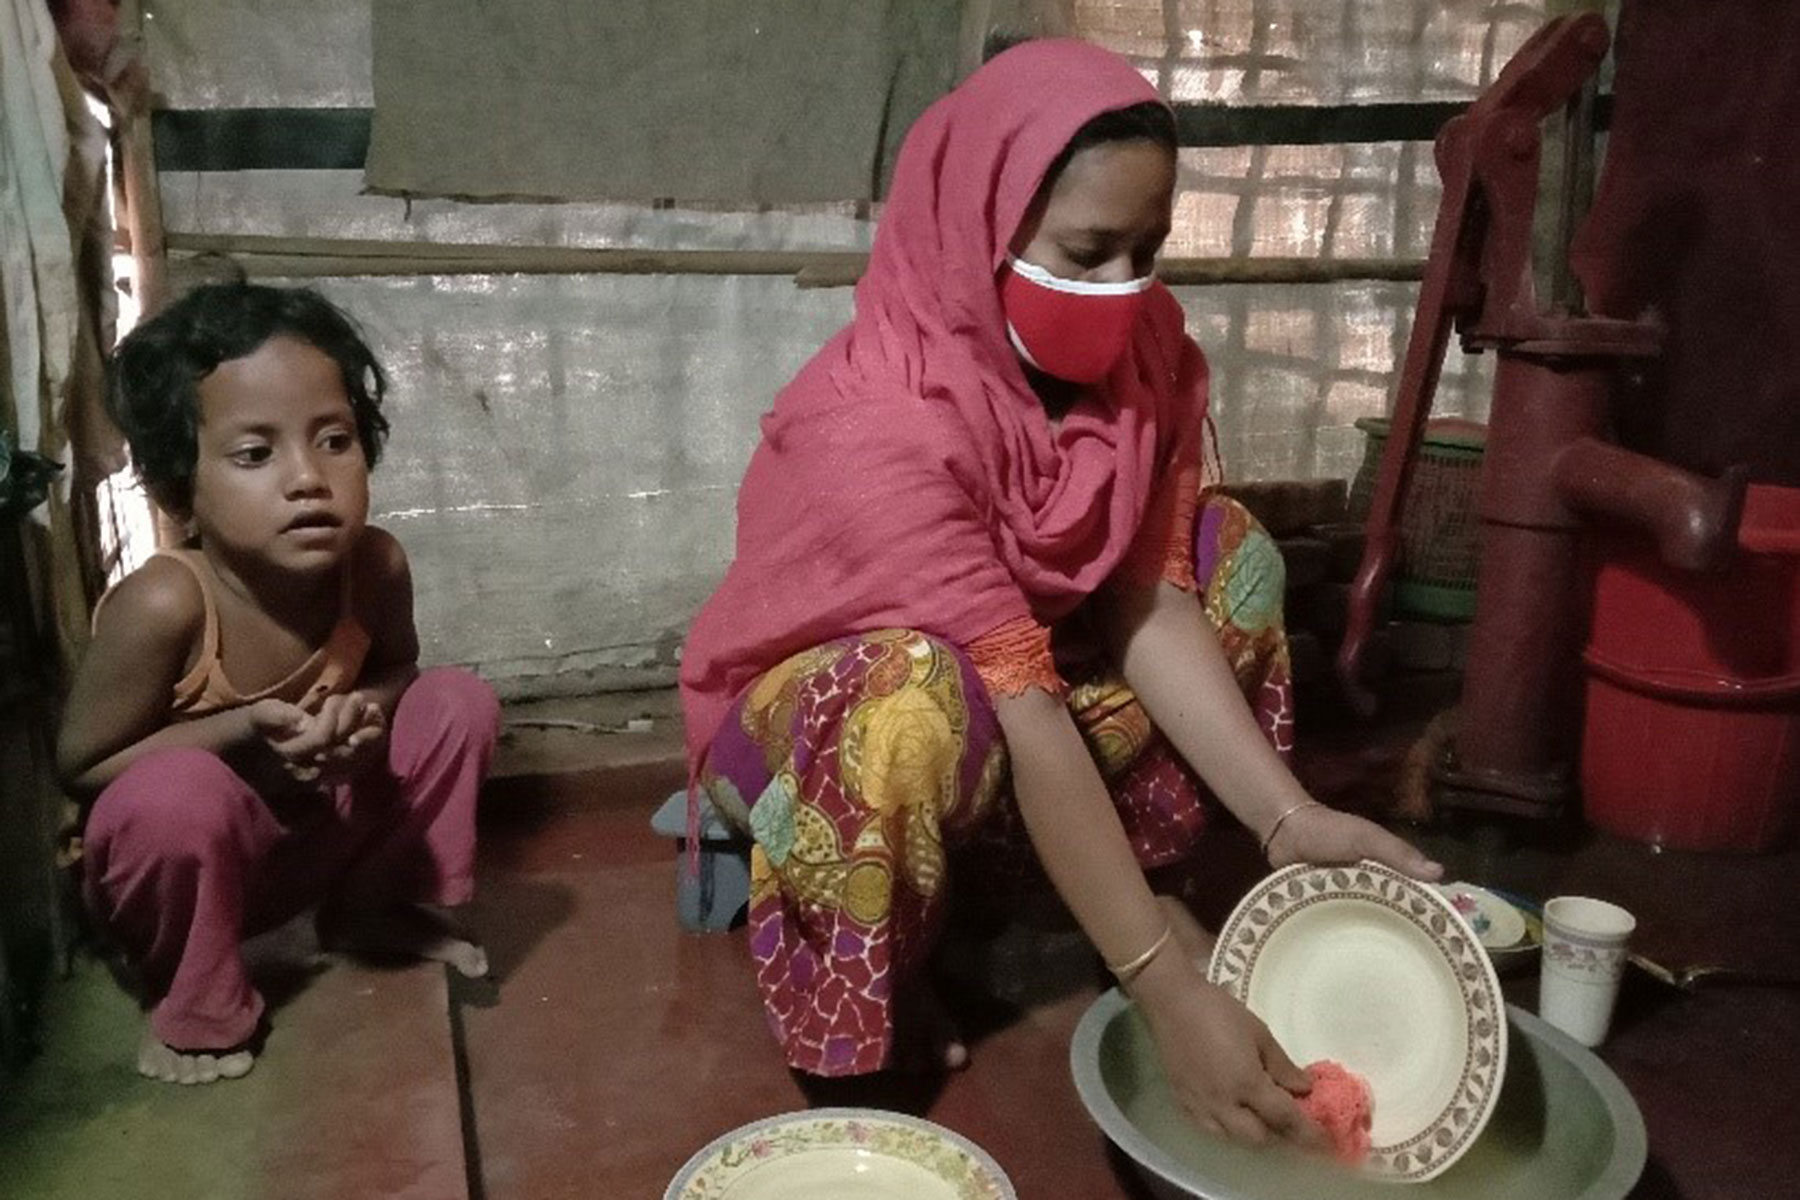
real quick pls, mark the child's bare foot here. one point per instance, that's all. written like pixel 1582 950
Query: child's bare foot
pixel 1191 937
pixel 157 1060
pixel 409 931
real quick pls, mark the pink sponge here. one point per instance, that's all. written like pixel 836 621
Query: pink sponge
pixel 1341 1104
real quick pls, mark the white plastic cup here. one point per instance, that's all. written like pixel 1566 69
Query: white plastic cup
pixel 1583 959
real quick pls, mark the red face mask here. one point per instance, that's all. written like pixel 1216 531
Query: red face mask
pixel 1069 328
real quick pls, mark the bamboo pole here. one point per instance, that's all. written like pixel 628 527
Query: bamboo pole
pixel 313 258
pixel 1177 272
pixel 143 212
pixel 137 178
pixel 143 215
pixel 1210 272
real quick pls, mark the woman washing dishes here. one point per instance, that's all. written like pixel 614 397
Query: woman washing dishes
pixel 979 597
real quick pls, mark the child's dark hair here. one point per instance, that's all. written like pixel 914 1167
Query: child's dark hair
pixel 153 381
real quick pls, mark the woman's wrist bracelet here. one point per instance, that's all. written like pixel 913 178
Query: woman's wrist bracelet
pixel 1126 972
pixel 1269 837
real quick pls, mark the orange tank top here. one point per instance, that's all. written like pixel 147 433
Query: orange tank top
pixel 332 669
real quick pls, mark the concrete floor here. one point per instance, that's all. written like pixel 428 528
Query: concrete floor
pixel 355 1095
pixel 613 1045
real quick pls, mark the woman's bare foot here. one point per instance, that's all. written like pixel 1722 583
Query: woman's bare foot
pixel 1191 937
pixel 408 931
pixel 157 1060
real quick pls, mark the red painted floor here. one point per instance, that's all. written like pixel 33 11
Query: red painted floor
pixel 615 1045
pixel 620 1045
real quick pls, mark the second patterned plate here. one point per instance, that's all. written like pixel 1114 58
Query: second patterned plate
pixel 841 1154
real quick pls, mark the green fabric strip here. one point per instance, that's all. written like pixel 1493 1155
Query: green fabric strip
pixel 261 139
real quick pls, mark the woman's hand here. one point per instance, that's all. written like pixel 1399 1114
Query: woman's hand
pixel 1224 1067
pixel 1318 834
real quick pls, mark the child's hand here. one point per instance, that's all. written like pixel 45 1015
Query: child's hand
pixel 326 747
pixel 1224 1067
pixel 1318 834
pixel 287 731
pixel 358 737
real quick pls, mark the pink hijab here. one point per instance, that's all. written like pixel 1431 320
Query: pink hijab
pixel 909 476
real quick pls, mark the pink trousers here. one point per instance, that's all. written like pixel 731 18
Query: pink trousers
pixel 183 859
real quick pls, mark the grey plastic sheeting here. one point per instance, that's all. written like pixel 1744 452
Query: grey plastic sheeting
pixel 565 456
pixel 1313 51
pixel 259 53
pixel 567 449
pixel 332 204
pixel 276 53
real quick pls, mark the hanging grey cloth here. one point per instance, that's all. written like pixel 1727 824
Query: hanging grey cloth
pixel 719 101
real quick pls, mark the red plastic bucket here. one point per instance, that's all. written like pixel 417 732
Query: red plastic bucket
pixel 1692 737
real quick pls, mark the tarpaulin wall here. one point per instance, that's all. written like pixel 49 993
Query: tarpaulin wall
pixel 567 445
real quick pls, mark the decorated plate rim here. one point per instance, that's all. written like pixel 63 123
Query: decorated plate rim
pixel 988 1180
pixel 1428 1152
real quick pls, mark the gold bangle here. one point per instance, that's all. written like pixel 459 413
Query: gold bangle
pixel 1126 972
pixel 1269 837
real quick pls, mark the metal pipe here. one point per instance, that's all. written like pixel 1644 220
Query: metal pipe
pixel 1692 518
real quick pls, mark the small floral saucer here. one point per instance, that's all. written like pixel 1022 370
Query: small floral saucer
pixel 841 1154
pixel 1510 935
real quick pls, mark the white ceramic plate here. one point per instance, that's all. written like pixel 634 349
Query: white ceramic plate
pixel 841 1154
pixel 1374 970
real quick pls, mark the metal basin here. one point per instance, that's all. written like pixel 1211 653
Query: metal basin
pixel 1564 1126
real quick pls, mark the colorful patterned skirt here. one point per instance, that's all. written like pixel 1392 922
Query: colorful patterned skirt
pixel 855 765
